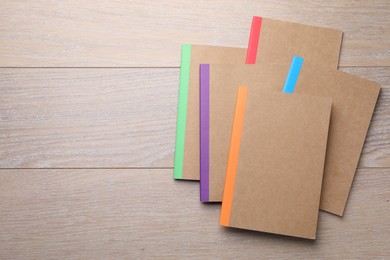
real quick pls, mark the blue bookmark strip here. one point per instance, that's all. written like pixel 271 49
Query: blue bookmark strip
pixel 293 74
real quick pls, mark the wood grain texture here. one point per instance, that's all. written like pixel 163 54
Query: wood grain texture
pixel 87 118
pixel 100 214
pixel 57 118
pixel 84 117
pixel 47 33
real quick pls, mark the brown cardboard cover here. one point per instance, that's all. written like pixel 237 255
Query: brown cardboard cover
pixel 280 41
pixel 202 54
pixel 224 80
pixel 353 104
pixel 354 100
pixel 281 159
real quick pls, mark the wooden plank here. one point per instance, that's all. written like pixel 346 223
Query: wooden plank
pixel 87 117
pixel 46 33
pixel 58 118
pixel 104 214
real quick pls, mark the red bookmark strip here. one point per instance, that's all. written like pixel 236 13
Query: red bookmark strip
pixel 253 40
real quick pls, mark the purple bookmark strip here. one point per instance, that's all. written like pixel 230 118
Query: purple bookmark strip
pixel 204 130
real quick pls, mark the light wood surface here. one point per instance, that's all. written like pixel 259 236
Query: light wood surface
pixel 143 33
pixel 88 95
pixel 88 117
pixel 110 214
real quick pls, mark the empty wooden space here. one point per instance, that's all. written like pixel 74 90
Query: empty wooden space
pixel 91 33
pixel 135 214
pixel 88 96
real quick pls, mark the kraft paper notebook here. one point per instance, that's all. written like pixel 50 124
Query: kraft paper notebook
pixel 274 41
pixel 218 86
pixel 186 162
pixel 274 173
pixel 270 41
pixel 354 101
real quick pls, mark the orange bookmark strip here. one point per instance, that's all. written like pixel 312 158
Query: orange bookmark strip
pixel 234 151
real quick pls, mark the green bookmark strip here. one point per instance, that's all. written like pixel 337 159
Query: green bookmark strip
pixel 182 110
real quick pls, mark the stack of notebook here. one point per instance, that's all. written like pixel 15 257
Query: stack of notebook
pixel 275 131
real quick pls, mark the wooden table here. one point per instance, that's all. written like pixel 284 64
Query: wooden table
pixel 88 93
